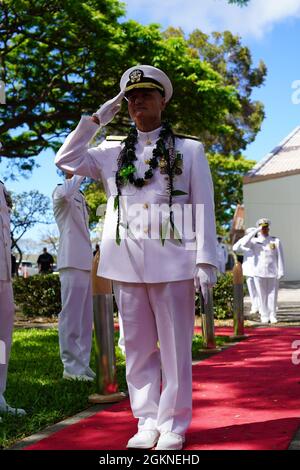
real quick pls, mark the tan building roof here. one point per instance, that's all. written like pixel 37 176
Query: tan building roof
pixel 284 160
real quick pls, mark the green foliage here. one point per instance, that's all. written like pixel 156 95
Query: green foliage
pixel 227 174
pixel 58 60
pixel 223 297
pixel 198 348
pixel 64 59
pixel 38 295
pixel 95 196
pixel 227 55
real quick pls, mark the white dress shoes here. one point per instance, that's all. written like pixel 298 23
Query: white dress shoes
pixel 80 377
pixel 6 409
pixel 273 319
pixel 170 441
pixel 264 319
pixel 90 372
pixel 143 439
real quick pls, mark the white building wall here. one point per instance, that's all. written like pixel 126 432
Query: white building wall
pixel 279 200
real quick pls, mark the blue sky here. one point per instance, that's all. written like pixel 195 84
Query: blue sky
pixel 271 29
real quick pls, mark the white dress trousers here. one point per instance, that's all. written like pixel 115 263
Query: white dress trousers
pixel 74 262
pixel 253 294
pixel 248 271
pixel 222 254
pixel 268 268
pixel 121 341
pixel 158 322
pixel 6 293
pixel 75 320
pixel 267 290
pixel 6 328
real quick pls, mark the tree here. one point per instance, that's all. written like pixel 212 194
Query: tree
pixel 53 57
pixel 61 60
pixel 233 62
pixel 29 208
pixel 227 173
pixel 50 239
pixel 95 196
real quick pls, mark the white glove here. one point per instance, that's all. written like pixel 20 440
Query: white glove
pixel 205 277
pixel 108 110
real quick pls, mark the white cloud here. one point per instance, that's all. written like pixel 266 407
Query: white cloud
pixel 255 20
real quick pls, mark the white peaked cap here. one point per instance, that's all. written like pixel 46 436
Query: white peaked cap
pixel 146 76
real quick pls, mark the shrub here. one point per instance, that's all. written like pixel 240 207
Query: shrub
pixel 223 297
pixel 38 295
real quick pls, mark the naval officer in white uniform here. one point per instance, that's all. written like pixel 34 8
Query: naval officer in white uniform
pixel 248 270
pixel 222 255
pixel 268 267
pixel 154 274
pixel 7 309
pixel 74 262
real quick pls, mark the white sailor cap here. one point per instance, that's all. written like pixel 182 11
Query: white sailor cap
pixel 264 222
pixel 146 76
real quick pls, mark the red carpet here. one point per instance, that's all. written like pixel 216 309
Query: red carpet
pixel 246 397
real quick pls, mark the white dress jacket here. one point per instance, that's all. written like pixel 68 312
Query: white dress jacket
pixel 141 256
pixel 71 215
pixel 248 261
pixel 268 259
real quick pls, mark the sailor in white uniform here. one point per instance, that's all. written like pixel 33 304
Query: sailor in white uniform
pixel 7 309
pixel 74 262
pixel 222 254
pixel 153 266
pixel 248 270
pixel 268 268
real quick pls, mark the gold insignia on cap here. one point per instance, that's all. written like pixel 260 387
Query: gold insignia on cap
pixel 136 76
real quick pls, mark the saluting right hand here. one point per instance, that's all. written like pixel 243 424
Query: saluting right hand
pixel 108 110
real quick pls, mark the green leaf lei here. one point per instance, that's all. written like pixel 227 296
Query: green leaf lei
pixel 163 156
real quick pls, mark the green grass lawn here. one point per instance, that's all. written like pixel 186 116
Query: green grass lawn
pixel 35 383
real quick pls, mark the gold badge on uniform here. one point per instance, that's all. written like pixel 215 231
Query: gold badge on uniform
pixel 272 246
pixel 136 76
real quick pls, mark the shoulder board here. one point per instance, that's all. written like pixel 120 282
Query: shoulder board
pixel 115 138
pixel 1 182
pixel 59 184
pixel 185 136
pixel 120 138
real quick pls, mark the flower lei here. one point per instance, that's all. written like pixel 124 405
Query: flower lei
pixel 163 156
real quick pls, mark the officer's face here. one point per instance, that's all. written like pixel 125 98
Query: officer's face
pixel 145 105
pixel 265 230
